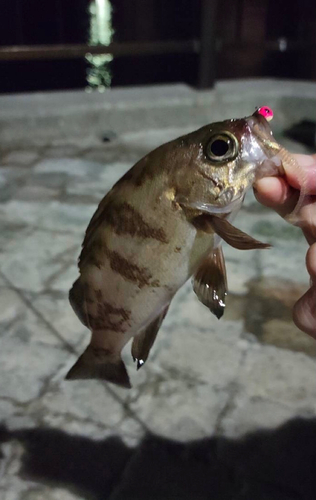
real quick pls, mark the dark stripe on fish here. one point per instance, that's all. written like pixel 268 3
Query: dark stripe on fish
pixel 103 320
pixel 128 270
pixel 100 352
pixel 124 219
pixel 139 275
pixel 138 174
pixel 109 309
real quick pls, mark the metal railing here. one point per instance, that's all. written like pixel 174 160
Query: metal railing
pixel 205 47
pixel 73 51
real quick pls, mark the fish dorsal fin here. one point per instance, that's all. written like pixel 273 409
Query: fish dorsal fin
pixel 229 233
pixel 210 282
pixel 144 340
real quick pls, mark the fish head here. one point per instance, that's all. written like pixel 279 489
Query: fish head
pixel 225 159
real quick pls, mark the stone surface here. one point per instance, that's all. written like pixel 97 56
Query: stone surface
pixel 280 375
pixel 24 323
pixel 36 258
pixel 12 486
pixel 64 151
pixel 247 414
pixel 21 157
pixel 47 494
pixel 74 399
pixel 56 310
pixel 267 310
pixel 27 368
pixel 205 380
pixel 10 305
pixel 69 166
pixel 286 335
pixel 40 193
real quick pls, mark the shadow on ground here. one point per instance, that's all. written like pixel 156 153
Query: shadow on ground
pixel 268 465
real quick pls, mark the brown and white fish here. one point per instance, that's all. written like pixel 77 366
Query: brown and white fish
pixel 160 224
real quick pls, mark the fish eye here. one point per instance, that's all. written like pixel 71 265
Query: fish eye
pixel 222 147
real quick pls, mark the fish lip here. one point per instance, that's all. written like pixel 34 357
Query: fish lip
pixel 258 121
pixel 259 128
pixel 271 164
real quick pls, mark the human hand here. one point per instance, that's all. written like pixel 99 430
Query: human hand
pixel 281 194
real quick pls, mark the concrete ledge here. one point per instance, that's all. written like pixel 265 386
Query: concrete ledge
pixel 42 118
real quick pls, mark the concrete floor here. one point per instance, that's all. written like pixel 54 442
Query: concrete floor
pixel 206 380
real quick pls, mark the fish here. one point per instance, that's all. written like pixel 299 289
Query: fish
pixel 161 224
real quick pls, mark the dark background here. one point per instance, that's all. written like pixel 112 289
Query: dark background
pixel 247 34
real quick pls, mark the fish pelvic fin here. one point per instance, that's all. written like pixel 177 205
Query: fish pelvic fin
pixel 210 282
pixel 143 341
pixel 98 363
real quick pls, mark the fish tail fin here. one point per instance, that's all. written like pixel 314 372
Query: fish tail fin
pixel 96 363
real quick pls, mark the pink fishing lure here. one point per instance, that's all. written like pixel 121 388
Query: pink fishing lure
pixel 266 112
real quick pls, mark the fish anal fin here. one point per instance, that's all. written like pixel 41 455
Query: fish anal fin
pixel 210 282
pixel 143 341
pixel 229 233
pixel 96 363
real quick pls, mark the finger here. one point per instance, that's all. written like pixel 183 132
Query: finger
pixel 304 312
pixel 307 216
pixel 304 175
pixel 279 193
pixel 276 193
pixel 311 262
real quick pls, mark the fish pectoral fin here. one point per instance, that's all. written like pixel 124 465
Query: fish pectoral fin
pixel 144 340
pixel 210 282
pixel 96 363
pixel 229 233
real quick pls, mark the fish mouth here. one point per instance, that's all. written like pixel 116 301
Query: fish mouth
pixel 270 168
pixel 259 126
pixel 216 209
pixel 271 152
